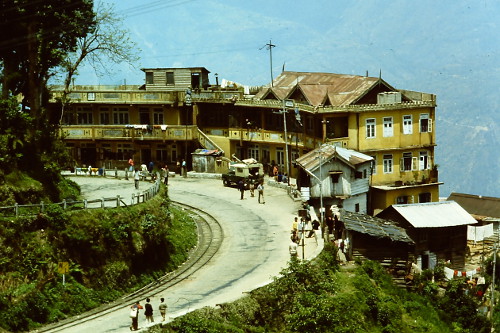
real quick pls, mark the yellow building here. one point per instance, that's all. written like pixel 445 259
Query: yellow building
pixel 177 111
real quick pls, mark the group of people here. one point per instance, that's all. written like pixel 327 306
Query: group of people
pixel 145 170
pixel 300 230
pixel 148 312
pixel 254 185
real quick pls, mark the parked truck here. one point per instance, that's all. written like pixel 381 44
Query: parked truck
pixel 249 171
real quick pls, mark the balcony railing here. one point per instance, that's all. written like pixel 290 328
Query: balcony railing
pixel 129 132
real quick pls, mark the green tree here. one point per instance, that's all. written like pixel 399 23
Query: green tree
pixel 107 40
pixel 41 33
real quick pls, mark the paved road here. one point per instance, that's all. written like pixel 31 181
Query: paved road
pixel 255 246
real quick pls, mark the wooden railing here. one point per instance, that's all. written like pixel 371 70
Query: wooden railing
pixel 17 210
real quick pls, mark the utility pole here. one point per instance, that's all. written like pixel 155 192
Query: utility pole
pixel 270 48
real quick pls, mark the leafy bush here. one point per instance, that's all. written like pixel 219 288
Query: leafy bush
pixel 105 249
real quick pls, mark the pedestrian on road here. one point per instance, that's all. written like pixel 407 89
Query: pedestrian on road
pixel 165 174
pixel 134 314
pixel 315 228
pixel 131 164
pixel 260 189
pixel 292 248
pixel 163 308
pixel 149 311
pixel 137 177
pixel 241 188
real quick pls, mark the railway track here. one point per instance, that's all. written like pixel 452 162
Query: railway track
pixel 210 236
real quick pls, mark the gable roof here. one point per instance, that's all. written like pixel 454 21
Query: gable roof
pixel 374 226
pixel 338 89
pixel 483 208
pixel 310 161
pixel 433 214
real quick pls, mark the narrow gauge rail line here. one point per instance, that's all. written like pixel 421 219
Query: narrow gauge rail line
pixel 210 236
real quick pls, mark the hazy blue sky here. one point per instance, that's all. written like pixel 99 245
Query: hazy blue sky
pixel 450 48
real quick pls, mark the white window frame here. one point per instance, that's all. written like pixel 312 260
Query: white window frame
pixel 413 162
pixel 388 129
pixel 388 163
pixel 371 128
pixel 425 117
pixel 407 124
pixel 423 161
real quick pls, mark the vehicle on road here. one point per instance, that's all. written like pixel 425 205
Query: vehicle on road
pixel 249 171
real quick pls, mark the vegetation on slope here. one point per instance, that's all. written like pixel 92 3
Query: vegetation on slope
pixel 319 297
pixel 110 251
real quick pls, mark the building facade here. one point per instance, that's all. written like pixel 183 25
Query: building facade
pixel 178 110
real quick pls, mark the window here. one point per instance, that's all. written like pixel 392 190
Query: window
pixel 84 115
pixel 170 78
pixel 158 117
pixel 149 77
pixel 388 131
pixel 424 197
pixel 356 208
pixel 173 153
pixel 407 124
pixel 424 160
pixel 374 165
pixel 370 128
pixel 85 118
pixel 425 123
pixel 401 200
pixel 104 118
pixel 253 152
pixel 124 152
pixel 120 116
pixel 408 162
pixel 387 163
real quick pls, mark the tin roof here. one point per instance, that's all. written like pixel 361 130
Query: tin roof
pixel 374 226
pixel 434 214
pixel 310 161
pixel 322 88
pixel 477 204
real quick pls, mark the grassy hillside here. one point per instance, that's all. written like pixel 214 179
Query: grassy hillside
pixel 322 297
pixel 106 250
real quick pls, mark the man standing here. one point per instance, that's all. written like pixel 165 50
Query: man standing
pixel 149 311
pixel 241 187
pixel 260 189
pixel 137 177
pixel 163 308
pixel 134 314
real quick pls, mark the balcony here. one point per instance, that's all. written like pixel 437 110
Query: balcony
pixel 129 132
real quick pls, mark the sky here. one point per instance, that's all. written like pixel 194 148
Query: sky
pixel 450 48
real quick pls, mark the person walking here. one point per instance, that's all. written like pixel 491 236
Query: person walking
pixel 163 308
pixel 260 189
pixel 149 311
pixel 241 187
pixel 165 174
pixel 137 177
pixel 134 314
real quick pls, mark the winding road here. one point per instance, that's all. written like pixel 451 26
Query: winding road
pixel 254 249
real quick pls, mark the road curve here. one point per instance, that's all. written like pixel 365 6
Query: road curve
pixel 254 249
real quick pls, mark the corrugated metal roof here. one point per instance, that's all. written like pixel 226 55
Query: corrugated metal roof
pixel 339 89
pixel 374 226
pixel 435 214
pixel 310 161
pixel 477 204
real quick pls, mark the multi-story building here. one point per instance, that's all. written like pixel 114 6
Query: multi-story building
pixel 177 110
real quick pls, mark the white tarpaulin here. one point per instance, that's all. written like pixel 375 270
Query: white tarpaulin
pixel 477 234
